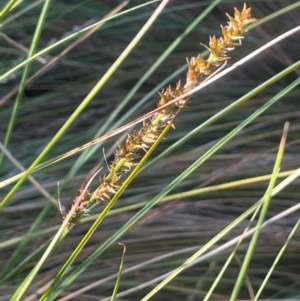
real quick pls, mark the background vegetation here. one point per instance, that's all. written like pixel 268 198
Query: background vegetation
pixel 173 230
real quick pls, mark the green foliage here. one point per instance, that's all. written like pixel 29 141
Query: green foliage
pixel 80 76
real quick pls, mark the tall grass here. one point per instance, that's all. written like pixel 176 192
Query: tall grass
pixel 201 192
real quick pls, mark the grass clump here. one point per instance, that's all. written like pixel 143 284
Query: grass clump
pixel 184 217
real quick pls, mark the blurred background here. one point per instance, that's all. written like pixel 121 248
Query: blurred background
pixel 188 222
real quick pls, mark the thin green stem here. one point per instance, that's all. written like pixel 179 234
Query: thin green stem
pixel 31 52
pixel 262 216
pixel 86 101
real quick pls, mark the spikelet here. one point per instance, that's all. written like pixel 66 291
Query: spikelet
pixel 127 154
pixel 199 68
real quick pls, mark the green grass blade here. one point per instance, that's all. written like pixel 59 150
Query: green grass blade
pixel 183 140
pixel 60 234
pixel 101 216
pixel 85 102
pixel 33 46
pixel 114 294
pixel 229 259
pixel 207 155
pixel 11 263
pixel 17 14
pixel 111 123
pixel 16 270
pixel 190 223
pixel 175 182
pixel 225 111
pixel 262 216
pixel 70 37
pixel 8 7
pixel 276 260
pixel 199 259
pixel 18 295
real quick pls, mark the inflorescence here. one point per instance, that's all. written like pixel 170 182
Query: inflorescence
pixel 198 70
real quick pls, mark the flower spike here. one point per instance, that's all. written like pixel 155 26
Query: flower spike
pixel 198 70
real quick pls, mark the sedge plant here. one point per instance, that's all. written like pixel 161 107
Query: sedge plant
pixel 129 159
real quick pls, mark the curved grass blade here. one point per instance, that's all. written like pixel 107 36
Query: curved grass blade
pixel 114 294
